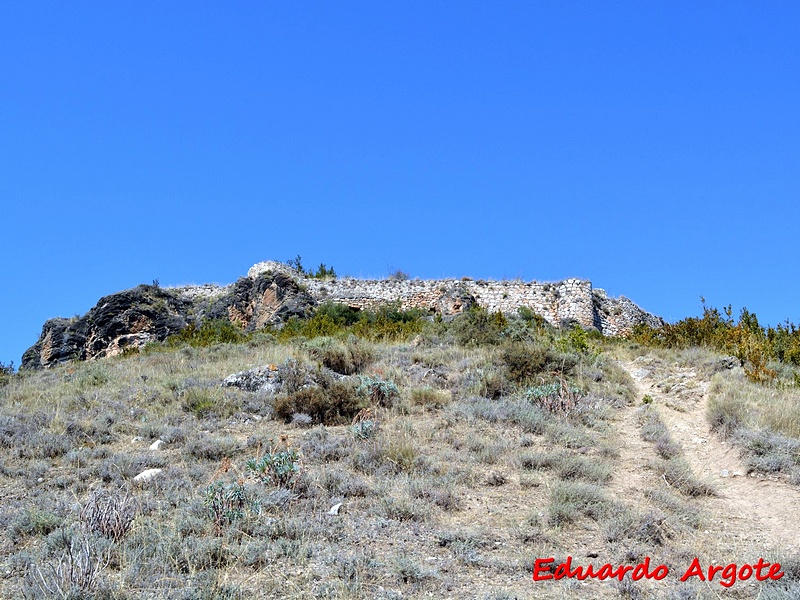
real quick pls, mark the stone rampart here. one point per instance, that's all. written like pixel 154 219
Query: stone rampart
pixel 564 302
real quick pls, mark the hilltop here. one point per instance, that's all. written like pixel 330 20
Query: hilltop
pixel 295 437
pixel 273 292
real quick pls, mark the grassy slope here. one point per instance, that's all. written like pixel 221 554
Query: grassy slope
pixel 464 484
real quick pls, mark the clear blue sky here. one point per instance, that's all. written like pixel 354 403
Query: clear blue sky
pixel 652 147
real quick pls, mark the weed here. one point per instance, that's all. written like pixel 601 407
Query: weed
pixel 73 573
pixel 403 508
pixel 571 500
pixel 430 397
pixel 345 359
pixel 678 474
pixel 33 522
pixel 556 397
pixel 379 391
pixel 477 327
pixel 226 503
pixel 364 430
pixel 110 514
pixel 219 331
pixel 211 448
pixel 320 444
pixel 277 467
pixel 6 372
pixel 653 430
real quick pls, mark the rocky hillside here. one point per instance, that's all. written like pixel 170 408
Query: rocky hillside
pixel 273 292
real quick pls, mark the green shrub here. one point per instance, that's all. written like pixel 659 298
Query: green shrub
pixel 277 467
pixel 322 272
pixel 532 318
pixel 556 397
pixel 217 331
pixel 379 391
pixel 576 340
pixel 33 521
pixel 364 430
pixel 726 413
pixel 389 323
pixel 226 503
pixel 744 338
pixel 524 362
pixel 6 372
pixel 199 401
pixel 477 327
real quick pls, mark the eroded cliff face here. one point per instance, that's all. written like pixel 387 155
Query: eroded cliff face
pixel 273 292
pixel 130 318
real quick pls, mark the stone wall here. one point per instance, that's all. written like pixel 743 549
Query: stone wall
pixel 272 292
pixel 568 301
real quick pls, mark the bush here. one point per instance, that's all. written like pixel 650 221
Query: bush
pixel 430 397
pixel 379 391
pixel 477 327
pixel 6 372
pixel 571 500
pixel 211 447
pixel 343 358
pixel 399 275
pixel 33 522
pixel 389 323
pixel 332 405
pixel 524 362
pixel 217 331
pixel 277 467
pixel 74 573
pixel 746 339
pixel 556 397
pixel 365 429
pixel 322 272
pixel 110 514
pixel 226 503
pixel 726 413
pixel 677 473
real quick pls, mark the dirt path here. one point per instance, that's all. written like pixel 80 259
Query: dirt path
pixel 748 512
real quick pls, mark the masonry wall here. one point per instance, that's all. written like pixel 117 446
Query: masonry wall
pixel 571 300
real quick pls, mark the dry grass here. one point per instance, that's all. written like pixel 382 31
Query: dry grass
pixel 452 490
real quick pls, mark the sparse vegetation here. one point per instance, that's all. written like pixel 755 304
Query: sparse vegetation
pixel 415 457
pixel 754 345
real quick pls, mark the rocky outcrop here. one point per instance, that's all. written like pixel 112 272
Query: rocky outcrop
pixel 269 298
pixel 147 313
pixel 130 318
pixel 273 292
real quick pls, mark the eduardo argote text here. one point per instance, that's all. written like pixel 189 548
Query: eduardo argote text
pixel 726 575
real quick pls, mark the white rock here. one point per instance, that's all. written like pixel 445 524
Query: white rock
pixel 335 509
pixel 157 445
pixel 147 475
pixel 725 473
